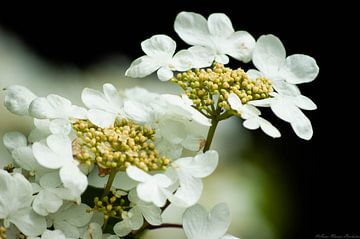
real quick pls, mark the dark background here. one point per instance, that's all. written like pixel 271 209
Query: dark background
pixel 323 172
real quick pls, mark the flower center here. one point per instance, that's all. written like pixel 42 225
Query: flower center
pixel 123 144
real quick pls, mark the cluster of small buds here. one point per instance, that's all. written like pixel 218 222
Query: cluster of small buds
pixel 112 205
pixel 125 143
pixel 203 86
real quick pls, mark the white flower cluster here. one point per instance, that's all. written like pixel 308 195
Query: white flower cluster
pixel 129 143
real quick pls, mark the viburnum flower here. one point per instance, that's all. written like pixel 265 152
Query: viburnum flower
pixel 159 50
pixel 71 219
pixel 15 204
pixel 251 116
pixel 134 219
pixel 104 107
pixel 94 231
pixel 216 35
pixel 18 99
pixel 56 234
pixel 152 188
pixel 199 224
pixel 56 153
pixel 189 171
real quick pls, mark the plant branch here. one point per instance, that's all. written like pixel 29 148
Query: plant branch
pixel 211 133
pixel 109 182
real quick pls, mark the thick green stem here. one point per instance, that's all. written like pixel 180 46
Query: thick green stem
pixel 109 183
pixel 211 133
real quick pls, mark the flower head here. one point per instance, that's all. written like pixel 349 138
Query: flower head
pixel 216 35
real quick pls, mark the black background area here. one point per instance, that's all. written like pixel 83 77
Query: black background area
pixel 323 172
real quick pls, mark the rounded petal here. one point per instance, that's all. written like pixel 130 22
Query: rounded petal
pixel 137 111
pixel 14 140
pixel 285 88
pixel 77 215
pixel 101 118
pixel 220 25
pixel 56 234
pixel 254 74
pixel 189 191
pixel 172 130
pixel 94 99
pixel 235 103
pixel 18 99
pixel 61 145
pixel 137 174
pixel 142 66
pixel 240 45
pixel 151 213
pixel 73 179
pixel 204 164
pixel 28 222
pixel 252 123
pixel 222 58
pixel 93 231
pixel 136 219
pixel 304 103
pixel 268 128
pixel 122 228
pixel 269 54
pixel 299 69
pixel 60 126
pixel 46 202
pixel 53 106
pixel 202 56
pixel 24 157
pixel 69 230
pixel 159 45
pixel 184 60
pixel 150 192
pixel 192 28
pixel 164 74
pixel 46 157
pixel 112 95
pixel 77 112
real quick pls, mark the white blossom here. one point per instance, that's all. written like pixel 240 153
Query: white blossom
pixel 199 224
pixel 216 36
pixel 159 50
pixel 18 99
pixel 15 204
pixel 94 231
pixel 251 116
pixel 48 234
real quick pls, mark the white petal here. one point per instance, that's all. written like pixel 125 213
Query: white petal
pixel 150 192
pixel 24 157
pixel 189 191
pixel 17 99
pixel 137 174
pixel 46 202
pixel 261 103
pixel 304 103
pixel 50 180
pixel 183 60
pixel 142 66
pixel 73 179
pixel 220 25
pixel 192 28
pixel 228 236
pixel 56 234
pixel 204 164
pixel 151 213
pixel 61 145
pixel 77 112
pixel 202 56
pixel 302 126
pixel 159 45
pixel 137 111
pixel 164 74
pixel 28 222
pixel 112 95
pixel 252 123
pixel 122 228
pixel 299 69
pixel 235 103
pixel 285 88
pixel 77 215
pixel 93 231
pixel 101 118
pixel 53 106
pixel 60 126
pixel 69 230
pixel 222 58
pixel 172 130
pixel 240 45
pixel 94 99
pixel 268 128
pixel 254 74
pixel 46 157
pixel 269 54
pixel 193 142
pixel 14 140
pixel 136 219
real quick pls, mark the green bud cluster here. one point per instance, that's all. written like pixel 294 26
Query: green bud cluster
pixel 117 147
pixel 202 85
pixel 112 205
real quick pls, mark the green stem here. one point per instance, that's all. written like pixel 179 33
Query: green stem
pixel 109 182
pixel 166 225
pixel 211 133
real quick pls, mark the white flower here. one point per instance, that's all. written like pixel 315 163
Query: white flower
pixel 251 116
pixel 57 154
pixel 71 219
pixel 133 219
pixel 269 57
pixel 287 104
pixel 15 204
pixel 159 50
pixel 189 171
pixel 105 107
pixel 152 188
pixel 216 35
pixel 55 107
pixel 94 231
pixel 199 224
pixel 45 127
pixel 17 99
pixel 22 153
